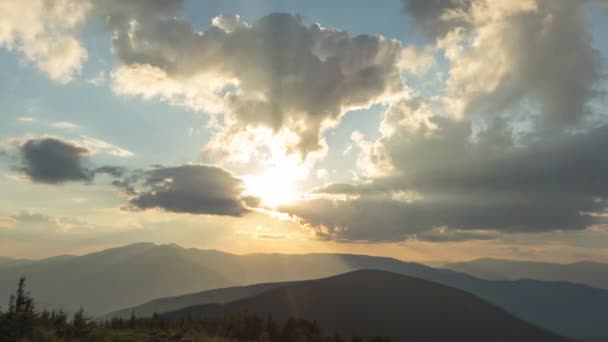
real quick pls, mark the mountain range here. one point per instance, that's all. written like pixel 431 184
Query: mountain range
pixel 590 273
pixel 380 303
pixel 127 276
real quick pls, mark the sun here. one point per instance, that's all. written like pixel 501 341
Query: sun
pixel 273 187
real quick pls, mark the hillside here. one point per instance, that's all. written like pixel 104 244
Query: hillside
pixel 369 302
pixel 217 296
pixel 590 273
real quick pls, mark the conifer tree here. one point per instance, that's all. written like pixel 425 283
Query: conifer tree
pixel 81 324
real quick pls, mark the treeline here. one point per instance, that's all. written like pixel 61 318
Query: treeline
pixel 23 322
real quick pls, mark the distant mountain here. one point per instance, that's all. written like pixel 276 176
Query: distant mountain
pixel 6 262
pixel 379 303
pixel 590 273
pixel 127 276
pixel 216 296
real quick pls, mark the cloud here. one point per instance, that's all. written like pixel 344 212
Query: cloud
pixel 26 119
pixel 504 53
pixel 508 145
pixel 64 125
pixel 417 61
pixel 276 73
pixel 469 184
pixel 44 33
pixel 30 224
pixel 55 161
pixel 229 22
pixel 98 80
pixel 270 236
pixel 194 189
pixel 378 219
pixel 448 235
pixel 26 216
pixel 96 145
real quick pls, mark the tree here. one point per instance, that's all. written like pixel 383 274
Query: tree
pixel 81 324
pixel 132 320
pixel 59 320
pixel 18 322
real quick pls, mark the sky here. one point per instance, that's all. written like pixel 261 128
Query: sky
pixel 421 130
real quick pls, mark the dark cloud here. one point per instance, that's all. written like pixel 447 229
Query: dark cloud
pixel 194 189
pixel 113 171
pixel 374 219
pixel 50 160
pixel 551 184
pixel 55 161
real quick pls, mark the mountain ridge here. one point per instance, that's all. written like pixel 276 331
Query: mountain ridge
pixel 131 275
pixel 594 274
pixel 382 303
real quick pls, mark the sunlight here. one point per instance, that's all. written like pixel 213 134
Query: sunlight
pixel 274 187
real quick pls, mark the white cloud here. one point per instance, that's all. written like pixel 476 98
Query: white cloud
pixel 26 119
pixel 98 79
pixel 417 60
pixel 95 145
pixel 64 125
pixel 229 22
pixel 44 33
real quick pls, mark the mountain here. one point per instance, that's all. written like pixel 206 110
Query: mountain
pixel 127 276
pixel 379 303
pixel 6 262
pixel 216 296
pixel 590 273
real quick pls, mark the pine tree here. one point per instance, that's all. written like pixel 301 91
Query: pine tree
pixel 132 320
pixel 59 320
pixel 81 324
pixel 21 313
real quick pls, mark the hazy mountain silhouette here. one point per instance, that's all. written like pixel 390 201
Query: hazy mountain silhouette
pixel 590 273
pixel 126 276
pixel 6 262
pixel 216 296
pixel 370 302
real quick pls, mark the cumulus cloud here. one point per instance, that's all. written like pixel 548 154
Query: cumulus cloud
pixel 229 22
pixel 463 183
pixel 502 53
pixel 54 161
pixel 276 73
pixel 194 189
pixel 44 33
pixel 507 146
